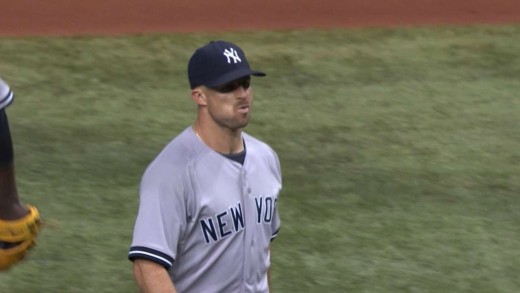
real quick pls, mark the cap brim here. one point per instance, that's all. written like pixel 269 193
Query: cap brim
pixel 233 75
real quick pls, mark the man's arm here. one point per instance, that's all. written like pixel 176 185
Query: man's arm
pixel 269 275
pixel 269 280
pixel 19 224
pixel 152 277
pixel 10 208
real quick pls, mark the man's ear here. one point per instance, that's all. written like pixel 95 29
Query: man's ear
pixel 199 96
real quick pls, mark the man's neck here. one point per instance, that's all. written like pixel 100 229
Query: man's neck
pixel 222 140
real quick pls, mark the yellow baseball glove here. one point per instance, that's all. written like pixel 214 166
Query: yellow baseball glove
pixel 17 237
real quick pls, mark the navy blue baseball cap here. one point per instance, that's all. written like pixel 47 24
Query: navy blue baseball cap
pixel 218 63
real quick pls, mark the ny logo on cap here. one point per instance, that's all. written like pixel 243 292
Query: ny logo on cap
pixel 232 53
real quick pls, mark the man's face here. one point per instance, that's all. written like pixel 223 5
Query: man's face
pixel 230 105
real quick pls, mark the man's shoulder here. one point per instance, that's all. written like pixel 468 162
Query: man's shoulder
pixel 254 144
pixel 182 144
pixel 260 150
pixel 177 154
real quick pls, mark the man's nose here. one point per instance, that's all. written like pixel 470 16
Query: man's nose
pixel 242 92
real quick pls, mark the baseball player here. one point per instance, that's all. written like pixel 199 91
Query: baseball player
pixel 208 201
pixel 19 224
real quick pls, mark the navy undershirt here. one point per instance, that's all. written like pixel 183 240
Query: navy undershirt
pixel 238 157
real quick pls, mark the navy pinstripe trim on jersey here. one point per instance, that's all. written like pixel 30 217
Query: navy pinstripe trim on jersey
pixel 5 101
pixel 274 235
pixel 151 255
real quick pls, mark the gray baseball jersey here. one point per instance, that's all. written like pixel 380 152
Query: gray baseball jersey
pixel 6 95
pixel 208 219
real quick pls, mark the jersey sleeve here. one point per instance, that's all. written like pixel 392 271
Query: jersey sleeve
pixel 6 94
pixel 161 218
pixel 276 223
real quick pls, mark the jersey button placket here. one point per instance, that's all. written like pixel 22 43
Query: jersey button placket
pixel 248 236
pixel 247 187
pixel 250 242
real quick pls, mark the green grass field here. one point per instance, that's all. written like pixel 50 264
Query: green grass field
pixel 400 151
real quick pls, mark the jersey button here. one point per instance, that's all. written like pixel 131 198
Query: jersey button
pixel 249 190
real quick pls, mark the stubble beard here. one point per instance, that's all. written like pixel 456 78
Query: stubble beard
pixel 232 123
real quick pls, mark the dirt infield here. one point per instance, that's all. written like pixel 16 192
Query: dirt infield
pixel 66 17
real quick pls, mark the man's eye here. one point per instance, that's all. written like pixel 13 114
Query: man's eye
pixel 246 83
pixel 229 87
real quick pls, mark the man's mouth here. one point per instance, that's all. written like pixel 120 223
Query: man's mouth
pixel 243 108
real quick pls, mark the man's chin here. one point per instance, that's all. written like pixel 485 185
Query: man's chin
pixel 240 126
